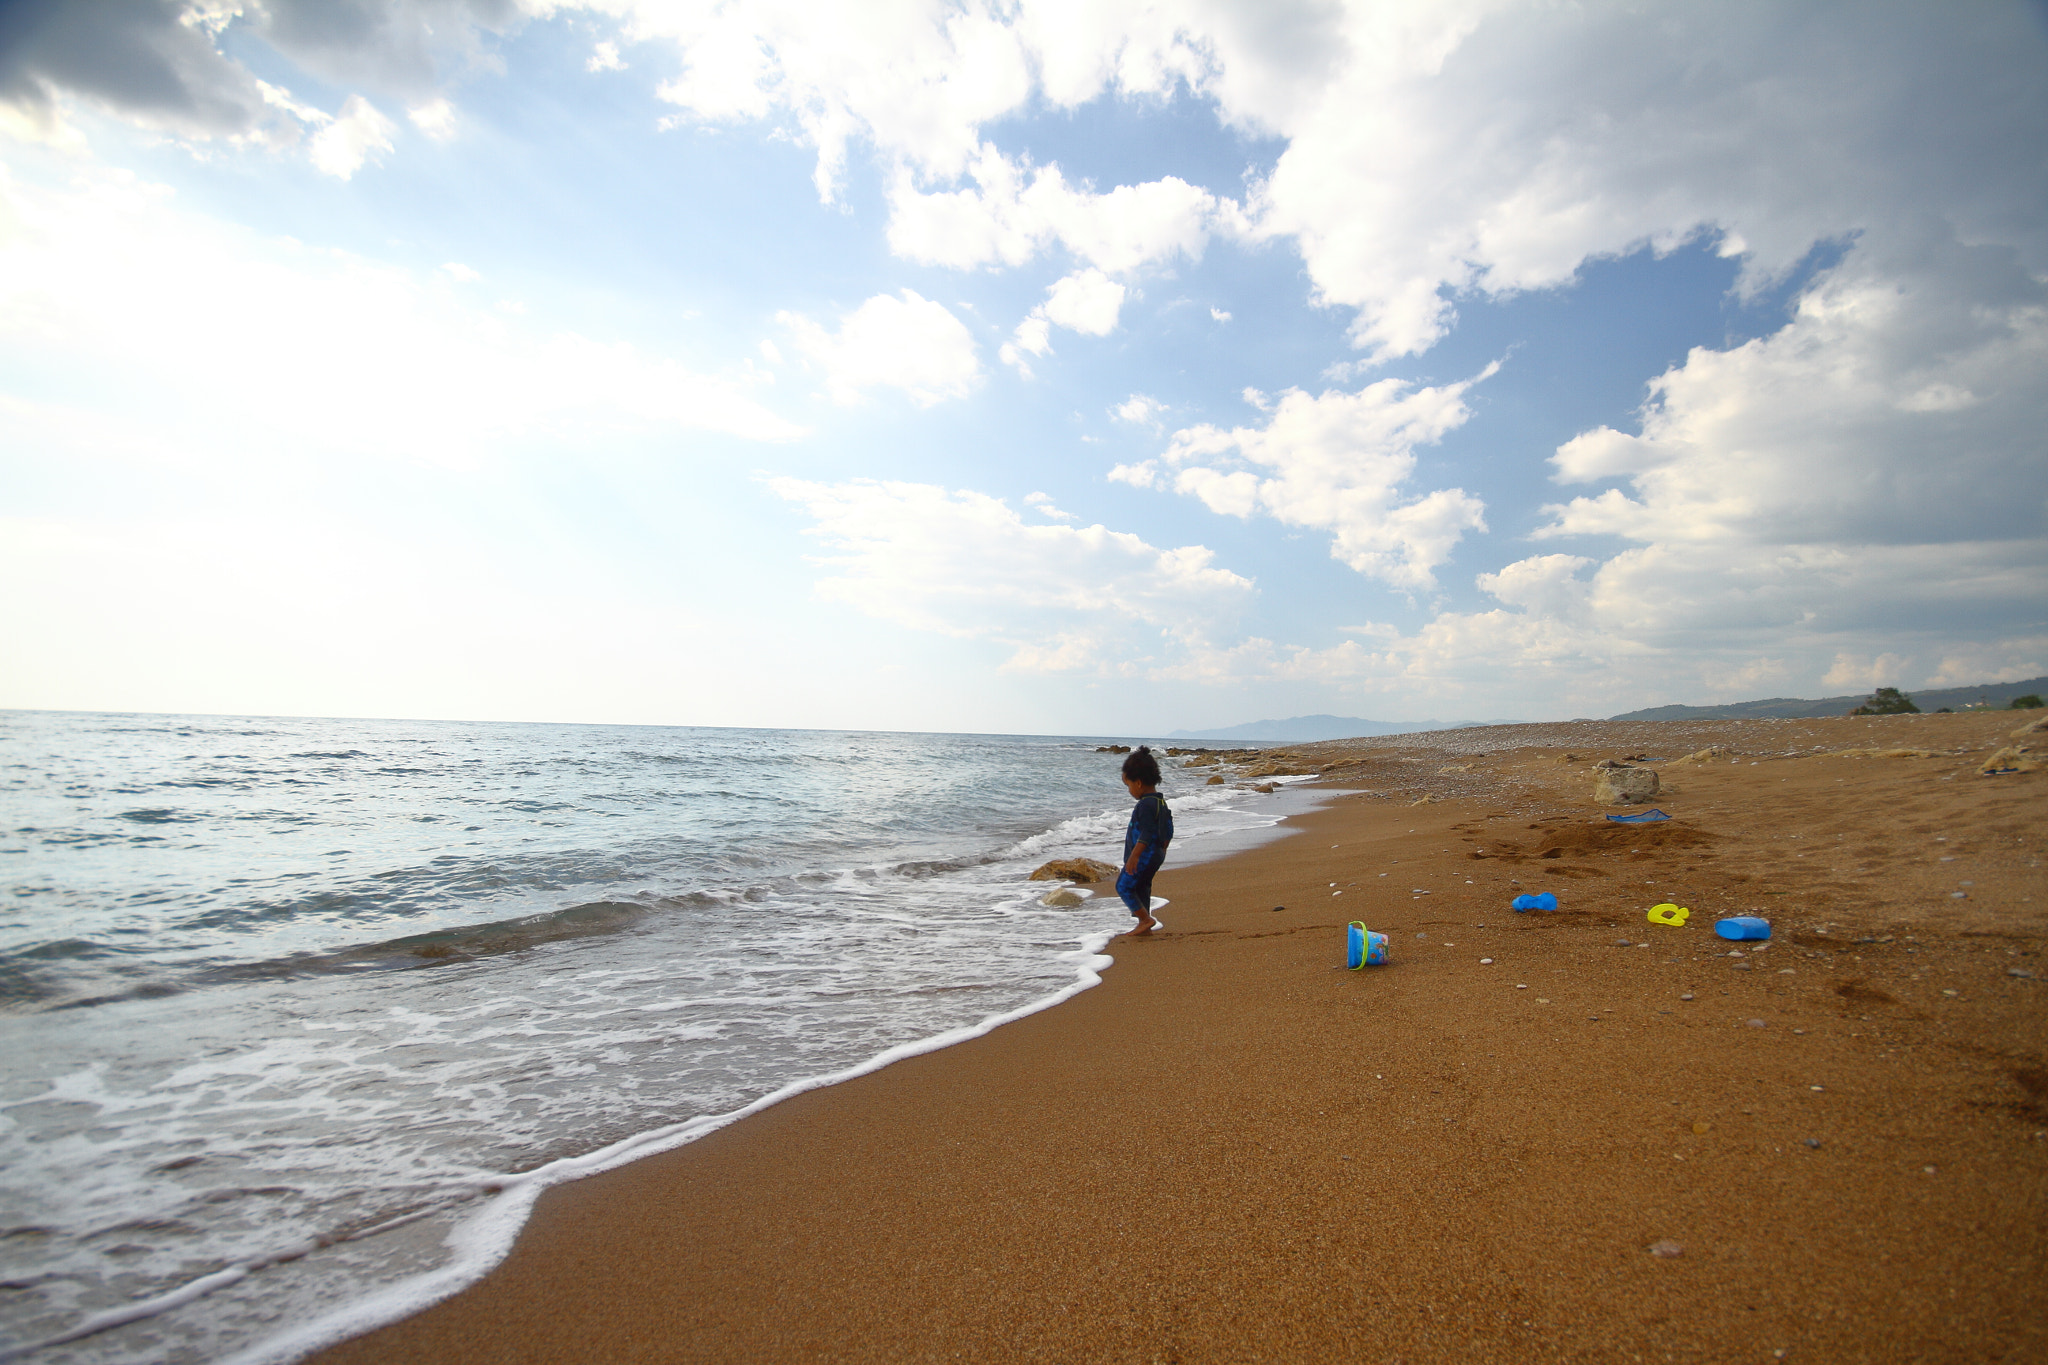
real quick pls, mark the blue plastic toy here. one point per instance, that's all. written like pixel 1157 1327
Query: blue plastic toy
pixel 1542 900
pixel 1741 927
pixel 1365 948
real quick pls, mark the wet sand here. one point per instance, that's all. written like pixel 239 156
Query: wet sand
pixel 1234 1150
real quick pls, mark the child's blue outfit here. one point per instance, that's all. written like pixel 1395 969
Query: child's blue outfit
pixel 1151 825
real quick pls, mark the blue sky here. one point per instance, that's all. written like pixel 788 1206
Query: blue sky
pixel 1031 367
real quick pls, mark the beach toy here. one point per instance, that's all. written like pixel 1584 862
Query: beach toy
pixel 1674 915
pixel 1741 927
pixel 1364 947
pixel 1644 817
pixel 1542 900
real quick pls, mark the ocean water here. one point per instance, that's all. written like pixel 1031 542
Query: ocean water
pixel 298 1016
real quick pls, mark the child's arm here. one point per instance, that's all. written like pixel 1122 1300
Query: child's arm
pixel 1137 858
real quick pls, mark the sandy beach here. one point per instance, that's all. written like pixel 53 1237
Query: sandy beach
pixel 1235 1150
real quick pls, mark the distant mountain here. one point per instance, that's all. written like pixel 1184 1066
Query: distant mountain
pixel 1301 729
pixel 1928 699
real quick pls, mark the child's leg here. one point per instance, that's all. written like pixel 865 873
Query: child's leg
pixel 1136 893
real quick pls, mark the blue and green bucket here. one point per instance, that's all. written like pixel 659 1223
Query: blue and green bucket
pixel 1366 949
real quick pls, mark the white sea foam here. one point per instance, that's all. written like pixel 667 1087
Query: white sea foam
pixel 481 1241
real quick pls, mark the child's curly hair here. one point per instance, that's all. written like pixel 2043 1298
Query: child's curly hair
pixel 1142 767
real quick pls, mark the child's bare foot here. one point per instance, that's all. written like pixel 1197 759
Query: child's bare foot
pixel 1145 926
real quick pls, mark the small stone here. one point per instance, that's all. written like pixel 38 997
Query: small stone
pixel 1486 962
pixel 1813 1143
pixel 1958 895
pixel 1756 1023
pixel 1927 1170
pixel 1815 1087
pixel 1666 1249
pixel 1278 908
pixel 1702 1128
pixel 1948 992
pixel 2020 972
pixel 1686 996
pixel 1541 1001
pixel 1739 967
pixel 1800 1031
pixel 1521 986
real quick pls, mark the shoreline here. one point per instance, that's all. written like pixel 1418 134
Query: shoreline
pixel 1234 1149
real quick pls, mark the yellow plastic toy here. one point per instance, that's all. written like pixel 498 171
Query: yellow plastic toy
pixel 1669 914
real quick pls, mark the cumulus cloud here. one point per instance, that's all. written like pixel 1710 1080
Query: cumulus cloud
pixel 907 342
pixel 1432 147
pixel 237 346
pixel 1139 410
pixel 1061 598
pixel 360 134
pixel 1086 301
pixel 436 119
pixel 1903 404
pixel 1012 212
pixel 1337 462
pixel 1801 494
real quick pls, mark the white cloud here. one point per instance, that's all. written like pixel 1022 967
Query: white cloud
pixel 1338 462
pixel 1087 302
pixel 907 342
pixel 460 273
pixel 1139 410
pixel 1801 438
pixel 1219 315
pixel 1061 598
pixel 359 134
pixel 1046 507
pixel 436 119
pixel 1013 212
pixel 1033 337
pixel 604 57
pixel 1431 146
pixel 222 343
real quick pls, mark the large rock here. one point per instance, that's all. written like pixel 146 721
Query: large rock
pixel 2032 727
pixel 1075 870
pixel 1625 786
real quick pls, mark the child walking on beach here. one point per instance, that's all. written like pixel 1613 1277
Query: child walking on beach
pixel 1145 841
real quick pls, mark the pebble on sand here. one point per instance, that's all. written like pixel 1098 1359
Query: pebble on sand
pixel 1756 1023
pixel 1666 1249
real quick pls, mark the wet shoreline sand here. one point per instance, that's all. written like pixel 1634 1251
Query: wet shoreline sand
pixel 1234 1150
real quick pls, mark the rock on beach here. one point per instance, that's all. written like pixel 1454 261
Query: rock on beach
pixel 1625 786
pixel 1074 870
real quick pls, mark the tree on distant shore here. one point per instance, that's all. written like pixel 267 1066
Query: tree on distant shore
pixel 2030 702
pixel 1887 701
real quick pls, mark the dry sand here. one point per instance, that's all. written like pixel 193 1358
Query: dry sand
pixel 1233 1150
